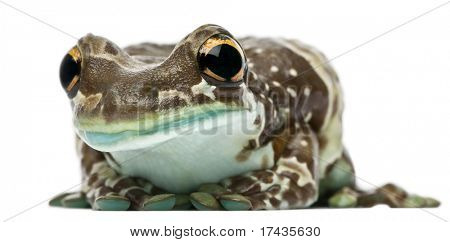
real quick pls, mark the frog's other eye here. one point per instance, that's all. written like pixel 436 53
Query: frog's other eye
pixel 69 72
pixel 222 61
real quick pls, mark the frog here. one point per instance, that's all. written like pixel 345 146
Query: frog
pixel 211 123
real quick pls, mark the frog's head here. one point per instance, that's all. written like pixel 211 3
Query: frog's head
pixel 121 102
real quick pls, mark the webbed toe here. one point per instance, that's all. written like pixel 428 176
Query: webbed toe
pixel 415 201
pixel 70 200
pixel 182 202
pixel 345 198
pixel 204 201
pixel 159 202
pixel 235 202
pixel 112 203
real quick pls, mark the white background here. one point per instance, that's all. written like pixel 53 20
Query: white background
pixel 397 114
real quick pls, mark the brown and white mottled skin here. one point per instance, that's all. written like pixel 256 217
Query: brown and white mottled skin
pixel 291 157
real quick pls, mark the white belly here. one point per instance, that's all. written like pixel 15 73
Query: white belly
pixel 183 162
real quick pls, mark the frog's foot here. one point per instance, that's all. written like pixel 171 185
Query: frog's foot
pixel 108 200
pixel 259 187
pixel 389 194
pixel 139 191
pixel 290 183
pixel 108 190
pixel 344 198
pixel 216 197
pixel 280 188
pixel 70 200
pixel 182 202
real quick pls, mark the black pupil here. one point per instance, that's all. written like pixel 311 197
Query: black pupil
pixel 68 69
pixel 223 60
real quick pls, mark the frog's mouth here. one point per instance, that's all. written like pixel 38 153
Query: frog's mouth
pixel 156 128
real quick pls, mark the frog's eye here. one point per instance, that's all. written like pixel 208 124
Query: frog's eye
pixel 222 61
pixel 69 72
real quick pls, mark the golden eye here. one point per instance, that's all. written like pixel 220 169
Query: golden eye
pixel 69 72
pixel 222 61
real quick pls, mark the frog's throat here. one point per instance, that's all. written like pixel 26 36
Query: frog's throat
pixel 156 128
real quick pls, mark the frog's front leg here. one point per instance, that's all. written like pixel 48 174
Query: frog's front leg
pixel 104 189
pixel 291 183
pixel 95 192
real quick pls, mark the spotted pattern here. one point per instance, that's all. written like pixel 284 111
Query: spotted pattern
pixel 291 83
pixel 302 109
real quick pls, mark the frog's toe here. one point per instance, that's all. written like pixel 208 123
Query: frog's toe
pixel 182 202
pixel 431 202
pixel 70 200
pixel 213 189
pixel 415 201
pixel 235 202
pixel 345 198
pixel 57 201
pixel 204 201
pixel 113 202
pixel 159 202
